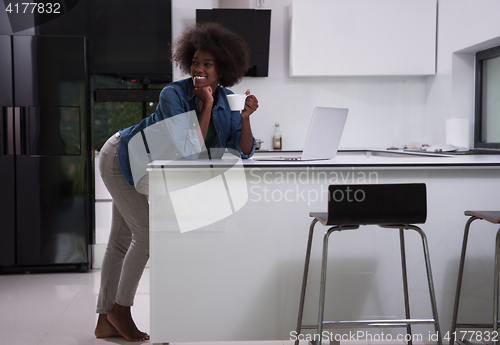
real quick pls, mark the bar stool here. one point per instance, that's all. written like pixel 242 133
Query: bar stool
pixel 394 206
pixel 494 218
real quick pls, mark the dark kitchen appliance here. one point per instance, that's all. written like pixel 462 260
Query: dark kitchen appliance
pixel 120 101
pixel 44 199
pixel 129 50
pixel 254 26
pixel 98 67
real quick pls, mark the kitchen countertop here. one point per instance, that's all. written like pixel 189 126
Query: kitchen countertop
pixel 351 159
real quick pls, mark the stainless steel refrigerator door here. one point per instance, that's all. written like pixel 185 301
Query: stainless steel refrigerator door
pixel 51 156
pixel 7 170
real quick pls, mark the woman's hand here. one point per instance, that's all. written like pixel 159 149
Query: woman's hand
pixel 246 137
pixel 205 96
pixel 206 102
pixel 251 105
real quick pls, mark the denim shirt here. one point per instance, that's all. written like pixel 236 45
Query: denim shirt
pixel 179 98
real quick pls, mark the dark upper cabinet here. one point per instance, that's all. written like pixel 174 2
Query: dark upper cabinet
pixel 254 26
pixel 130 37
pixel 59 17
pixel 125 37
pixel 71 22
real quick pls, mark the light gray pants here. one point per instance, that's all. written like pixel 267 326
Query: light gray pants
pixel 128 246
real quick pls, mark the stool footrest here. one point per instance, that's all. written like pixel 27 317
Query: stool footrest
pixel 371 323
pixel 474 325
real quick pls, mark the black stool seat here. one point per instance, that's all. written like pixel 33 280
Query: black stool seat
pixel 393 206
pixel 494 218
pixel 376 204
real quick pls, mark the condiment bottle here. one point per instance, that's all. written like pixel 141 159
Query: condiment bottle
pixel 277 137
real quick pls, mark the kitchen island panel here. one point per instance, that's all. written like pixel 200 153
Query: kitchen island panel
pixel 239 279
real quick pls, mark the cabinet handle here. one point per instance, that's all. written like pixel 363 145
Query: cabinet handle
pixel 10 131
pixel 17 130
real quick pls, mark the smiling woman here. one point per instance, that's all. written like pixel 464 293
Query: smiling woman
pixel 215 58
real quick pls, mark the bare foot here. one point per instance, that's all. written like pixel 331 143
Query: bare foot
pixel 105 329
pixel 120 317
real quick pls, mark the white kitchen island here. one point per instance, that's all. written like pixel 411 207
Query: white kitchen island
pixel 237 277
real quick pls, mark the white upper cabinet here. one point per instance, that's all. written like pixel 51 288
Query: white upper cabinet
pixel 363 37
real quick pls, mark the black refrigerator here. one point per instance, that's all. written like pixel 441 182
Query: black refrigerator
pixel 44 172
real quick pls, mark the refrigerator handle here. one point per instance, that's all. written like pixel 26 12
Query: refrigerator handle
pixel 10 131
pixel 17 130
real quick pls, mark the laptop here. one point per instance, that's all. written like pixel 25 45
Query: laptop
pixel 323 137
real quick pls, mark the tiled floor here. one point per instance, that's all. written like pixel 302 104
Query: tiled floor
pixel 59 309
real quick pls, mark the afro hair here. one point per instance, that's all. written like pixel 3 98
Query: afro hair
pixel 229 49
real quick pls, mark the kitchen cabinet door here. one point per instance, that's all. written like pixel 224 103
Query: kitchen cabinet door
pixel 363 37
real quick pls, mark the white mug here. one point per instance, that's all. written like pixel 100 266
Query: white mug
pixel 236 101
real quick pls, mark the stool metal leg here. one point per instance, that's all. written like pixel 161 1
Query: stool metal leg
pixel 459 280
pixel 430 281
pixel 405 282
pixel 323 282
pixel 304 279
pixel 496 290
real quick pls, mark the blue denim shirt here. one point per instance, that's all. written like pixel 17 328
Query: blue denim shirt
pixel 178 98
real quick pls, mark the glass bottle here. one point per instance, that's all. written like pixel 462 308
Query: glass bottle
pixel 277 137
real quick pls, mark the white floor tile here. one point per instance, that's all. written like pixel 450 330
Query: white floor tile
pixel 31 304
pixel 59 309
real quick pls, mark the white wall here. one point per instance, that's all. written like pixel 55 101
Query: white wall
pixel 384 111
pixel 462 24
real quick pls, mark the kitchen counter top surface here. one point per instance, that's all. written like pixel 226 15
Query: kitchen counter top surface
pixel 349 159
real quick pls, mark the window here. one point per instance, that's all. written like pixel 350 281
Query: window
pixel 487 109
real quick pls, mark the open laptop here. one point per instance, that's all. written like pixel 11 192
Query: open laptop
pixel 323 137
